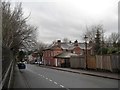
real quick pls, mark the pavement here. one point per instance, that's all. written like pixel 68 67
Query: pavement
pixel 19 81
pixel 109 75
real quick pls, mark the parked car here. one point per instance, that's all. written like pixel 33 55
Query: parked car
pixel 40 63
pixel 21 65
pixel 25 62
pixel 36 62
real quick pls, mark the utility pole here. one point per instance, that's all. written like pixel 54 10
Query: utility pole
pixel 86 50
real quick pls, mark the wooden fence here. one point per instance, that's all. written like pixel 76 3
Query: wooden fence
pixel 98 62
pixel 91 62
pixel 77 62
pixel 108 62
pixel 103 62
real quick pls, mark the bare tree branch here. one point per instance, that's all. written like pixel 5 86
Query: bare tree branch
pixel 15 29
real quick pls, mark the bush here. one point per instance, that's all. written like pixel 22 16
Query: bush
pixel 112 50
pixel 102 51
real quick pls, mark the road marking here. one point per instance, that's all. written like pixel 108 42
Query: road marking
pixel 46 78
pixel 55 82
pixel 62 86
pixel 67 88
pixel 50 80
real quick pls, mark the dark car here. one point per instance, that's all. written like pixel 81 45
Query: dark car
pixel 21 65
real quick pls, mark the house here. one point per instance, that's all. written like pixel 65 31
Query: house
pixel 79 48
pixel 65 58
pixel 52 54
pixel 33 57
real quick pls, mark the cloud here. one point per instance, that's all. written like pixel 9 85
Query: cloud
pixel 57 19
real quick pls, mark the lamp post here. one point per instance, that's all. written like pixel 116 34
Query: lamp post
pixel 85 37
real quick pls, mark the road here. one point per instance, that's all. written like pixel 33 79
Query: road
pixel 39 77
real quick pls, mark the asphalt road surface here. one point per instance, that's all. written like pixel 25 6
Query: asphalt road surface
pixel 38 77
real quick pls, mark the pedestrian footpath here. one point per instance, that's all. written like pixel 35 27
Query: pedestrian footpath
pixel 19 81
pixel 109 75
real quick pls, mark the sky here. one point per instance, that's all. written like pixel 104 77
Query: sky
pixel 58 19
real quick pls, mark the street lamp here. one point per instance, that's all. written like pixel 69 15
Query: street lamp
pixel 85 37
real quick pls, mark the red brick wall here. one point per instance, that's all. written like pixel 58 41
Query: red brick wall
pixel 76 50
pixel 49 54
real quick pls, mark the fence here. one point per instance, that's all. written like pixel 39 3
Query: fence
pixel 108 62
pixel 98 62
pixel 77 62
pixel 91 62
pixel 7 68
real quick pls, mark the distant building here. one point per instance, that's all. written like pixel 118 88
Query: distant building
pixel 32 58
pixel 51 53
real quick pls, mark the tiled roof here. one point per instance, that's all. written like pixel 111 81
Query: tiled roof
pixel 71 47
pixel 68 46
pixel 49 47
pixel 82 46
pixel 65 55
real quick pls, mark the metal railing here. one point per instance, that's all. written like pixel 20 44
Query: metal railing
pixel 8 64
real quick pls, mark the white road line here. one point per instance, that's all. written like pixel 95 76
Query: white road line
pixel 50 80
pixel 46 78
pixel 55 82
pixel 62 86
pixel 67 88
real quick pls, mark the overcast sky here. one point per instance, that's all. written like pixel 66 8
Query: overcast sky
pixel 58 19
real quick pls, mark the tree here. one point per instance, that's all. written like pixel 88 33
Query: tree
pixel 15 31
pixel 103 51
pixel 112 50
pixel 95 36
pixel 91 32
pixel 97 41
pixel 40 47
pixel 114 39
pixel 21 55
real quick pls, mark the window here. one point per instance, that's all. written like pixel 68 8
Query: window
pixel 73 51
pixel 81 53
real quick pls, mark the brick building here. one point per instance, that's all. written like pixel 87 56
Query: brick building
pixel 57 48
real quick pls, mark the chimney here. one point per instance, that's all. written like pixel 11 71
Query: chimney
pixel 70 42
pixel 59 42
pixel 75 43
